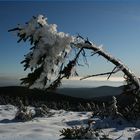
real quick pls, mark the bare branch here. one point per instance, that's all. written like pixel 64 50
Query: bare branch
pixel 65 72
pixel 111 73
pixel 119 65
pixel 100 74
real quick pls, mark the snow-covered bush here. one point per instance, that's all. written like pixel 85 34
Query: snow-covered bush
pixel 42 111
pixel 78 133
pixel 82 132
pixel 23 114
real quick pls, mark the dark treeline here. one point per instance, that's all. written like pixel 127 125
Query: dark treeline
pixel 36 97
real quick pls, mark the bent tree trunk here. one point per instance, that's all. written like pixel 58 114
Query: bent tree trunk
pixel 119 65
pixel 43 57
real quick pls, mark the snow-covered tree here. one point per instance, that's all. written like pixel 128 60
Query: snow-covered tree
pixel 49 58
pixel 48 51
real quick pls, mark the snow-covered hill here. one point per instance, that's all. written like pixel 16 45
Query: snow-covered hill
pixel 48 128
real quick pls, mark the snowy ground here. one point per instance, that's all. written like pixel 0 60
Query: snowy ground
pixel 48 128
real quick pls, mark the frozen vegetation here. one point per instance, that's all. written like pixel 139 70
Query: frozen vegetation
pixel 65 117
pixel 49 127
pixel 49 57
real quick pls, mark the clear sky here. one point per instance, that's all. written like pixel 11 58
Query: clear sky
pixel 113 23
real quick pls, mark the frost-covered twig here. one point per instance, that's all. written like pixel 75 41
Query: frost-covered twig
pixel 120 66
pixel 100 74
pixel 65 72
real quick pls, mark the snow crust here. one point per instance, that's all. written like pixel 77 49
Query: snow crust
pixel 49 127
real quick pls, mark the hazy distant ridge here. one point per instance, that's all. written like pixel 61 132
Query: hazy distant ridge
pixel 91 92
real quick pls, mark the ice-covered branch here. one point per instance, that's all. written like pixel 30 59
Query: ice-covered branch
pixel 119 65
pixel 65 72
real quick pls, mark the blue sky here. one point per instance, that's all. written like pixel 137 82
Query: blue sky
pixel 113 23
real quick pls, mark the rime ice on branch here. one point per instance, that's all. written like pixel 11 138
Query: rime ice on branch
pixel 49 50
pixel 119 66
